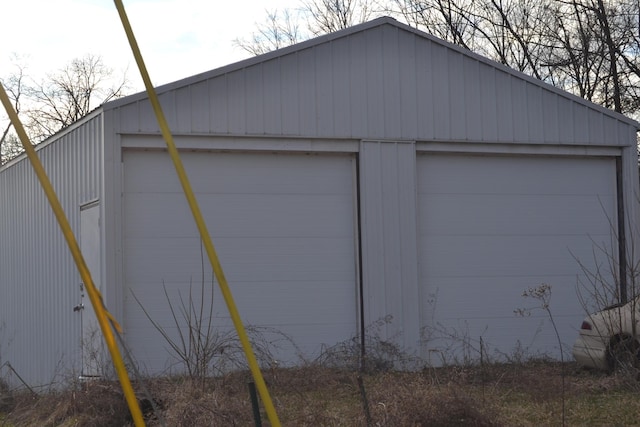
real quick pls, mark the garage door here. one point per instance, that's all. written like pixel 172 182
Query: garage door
pixel 492 227
pixel 283 227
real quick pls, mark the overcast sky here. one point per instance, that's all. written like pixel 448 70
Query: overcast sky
pixel 178 38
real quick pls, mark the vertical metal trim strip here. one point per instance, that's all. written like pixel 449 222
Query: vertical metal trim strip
pixel 622 240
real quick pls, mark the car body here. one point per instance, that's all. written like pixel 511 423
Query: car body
pixel 609 338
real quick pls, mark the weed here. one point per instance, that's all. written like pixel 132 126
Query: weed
pixel 6 397
pixel 379 354
pixel 522 394
pixel 542 294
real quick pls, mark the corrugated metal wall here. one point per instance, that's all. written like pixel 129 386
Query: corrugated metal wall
pixel 388 224
pixel 39 284
pixel 392 89
pixel 383 82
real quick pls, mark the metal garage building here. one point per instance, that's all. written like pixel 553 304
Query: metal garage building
pixel 377 172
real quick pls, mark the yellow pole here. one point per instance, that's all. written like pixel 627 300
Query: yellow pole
pixel 202 227
pixel 94 295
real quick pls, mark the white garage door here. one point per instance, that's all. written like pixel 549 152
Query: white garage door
pixel 492 227
pixel 283 227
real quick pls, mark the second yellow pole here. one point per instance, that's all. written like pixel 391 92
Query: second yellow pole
pixel 202 228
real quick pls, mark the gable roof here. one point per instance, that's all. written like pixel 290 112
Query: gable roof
pixel 388 80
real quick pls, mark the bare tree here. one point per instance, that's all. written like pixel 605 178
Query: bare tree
pixel 280 29
pixel 327 16
pixel 619 27
pixel 69 94
pixel 595 51
pixel 14 86
pixel 507 31
pixel 449 20
pixel 612 52
pixel 57 101
pixel 514 29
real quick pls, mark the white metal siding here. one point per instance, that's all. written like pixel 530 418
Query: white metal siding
pixel 283 226
pixel 380 82
pixel 39 332
pixel 389 246
pixel 492 227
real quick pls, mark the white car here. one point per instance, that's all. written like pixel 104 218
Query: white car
pixel 609 338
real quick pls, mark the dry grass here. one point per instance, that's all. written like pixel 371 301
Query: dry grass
pixel 493 395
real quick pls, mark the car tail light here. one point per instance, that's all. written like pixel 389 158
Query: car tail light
pixel 585 325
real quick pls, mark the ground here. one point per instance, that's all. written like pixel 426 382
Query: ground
pixel 527 394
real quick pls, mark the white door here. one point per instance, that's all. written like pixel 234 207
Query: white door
pixel 92 341
pixel 283 226
pixel 490 228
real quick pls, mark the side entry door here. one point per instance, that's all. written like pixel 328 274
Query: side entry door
pixel 91 340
